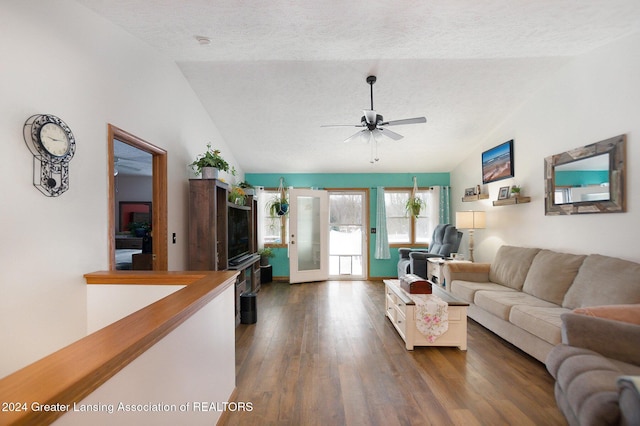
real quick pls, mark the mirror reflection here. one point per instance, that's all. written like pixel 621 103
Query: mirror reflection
pixel 587 179
pixel 582 180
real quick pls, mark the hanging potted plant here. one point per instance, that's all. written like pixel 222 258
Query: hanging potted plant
pixel 210 163
pixel 279 206
pixel 414 204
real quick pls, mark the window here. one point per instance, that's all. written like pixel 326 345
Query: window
pixel 401 226
pixel 274 229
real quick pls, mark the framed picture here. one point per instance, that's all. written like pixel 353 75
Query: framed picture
pixel 504 193
pixel 469 192
pixel 497 162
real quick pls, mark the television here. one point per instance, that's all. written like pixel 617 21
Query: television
pixel 497 162
pixel 238 235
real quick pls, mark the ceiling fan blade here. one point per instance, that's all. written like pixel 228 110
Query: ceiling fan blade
pixel 370 115
pixel 404 121
pixel 360 134
pixel 389 133
pixel 342 125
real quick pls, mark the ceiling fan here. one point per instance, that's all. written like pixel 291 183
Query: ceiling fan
pixel 374 124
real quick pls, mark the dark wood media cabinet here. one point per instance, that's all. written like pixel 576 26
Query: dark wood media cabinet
pixel 208 235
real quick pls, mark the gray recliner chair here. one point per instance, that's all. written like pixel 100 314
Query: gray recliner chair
pixel 445 240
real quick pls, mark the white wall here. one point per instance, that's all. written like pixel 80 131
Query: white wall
pixel 595 97
pixel 60 58
pixel 194 364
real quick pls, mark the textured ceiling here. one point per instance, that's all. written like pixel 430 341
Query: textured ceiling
pixel 276 70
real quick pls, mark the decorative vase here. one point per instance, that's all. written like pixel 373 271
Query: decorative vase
pixel 209 173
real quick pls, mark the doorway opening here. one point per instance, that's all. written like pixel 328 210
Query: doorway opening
pixel 348 225
pixel 157 260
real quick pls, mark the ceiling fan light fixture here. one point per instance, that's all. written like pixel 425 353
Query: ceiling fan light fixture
pixel 374 124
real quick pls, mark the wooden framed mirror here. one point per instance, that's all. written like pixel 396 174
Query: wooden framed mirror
pixel 589 179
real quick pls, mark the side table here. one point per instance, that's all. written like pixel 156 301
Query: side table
pixel 435 270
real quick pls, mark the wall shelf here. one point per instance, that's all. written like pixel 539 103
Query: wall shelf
pixel 469 198
pixel 511 201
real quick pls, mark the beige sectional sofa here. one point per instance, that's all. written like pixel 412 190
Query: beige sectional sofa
pixel 521 295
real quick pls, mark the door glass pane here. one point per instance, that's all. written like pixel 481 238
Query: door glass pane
pixel 308 238
pixel 346 234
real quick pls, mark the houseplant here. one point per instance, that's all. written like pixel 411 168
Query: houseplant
pixel 139 229
pixel 414 205
pixel 265 254
pixel 247 187
pixel 515 190
pixel 211 158
pixel 237 195
pixel 279 206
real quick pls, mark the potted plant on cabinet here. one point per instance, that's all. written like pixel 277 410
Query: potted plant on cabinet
pixel 237 195
pixel 210 163
pixel 247 187
pixel 265 254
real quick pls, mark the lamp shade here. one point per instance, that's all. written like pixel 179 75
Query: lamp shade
pixel 470 220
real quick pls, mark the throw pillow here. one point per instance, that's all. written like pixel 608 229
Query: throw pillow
pixel 624 313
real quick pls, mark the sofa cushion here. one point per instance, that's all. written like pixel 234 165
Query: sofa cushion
pixel 466 290
pixel 542 322
pixel 551 275
pixel 604 280
pixel 511 265
pixel 499 303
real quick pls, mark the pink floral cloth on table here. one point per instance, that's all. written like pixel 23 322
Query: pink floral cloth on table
pixel 432 315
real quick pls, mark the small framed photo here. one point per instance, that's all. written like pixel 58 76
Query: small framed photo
pixel 504 193
pixel 470 192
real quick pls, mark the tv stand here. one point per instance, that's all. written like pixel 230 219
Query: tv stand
pixel 244 262
pixel 248 279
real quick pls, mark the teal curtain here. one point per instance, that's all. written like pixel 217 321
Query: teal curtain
pixel 382 237
pixel 445 204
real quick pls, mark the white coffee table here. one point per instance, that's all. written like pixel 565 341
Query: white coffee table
pixel 400 309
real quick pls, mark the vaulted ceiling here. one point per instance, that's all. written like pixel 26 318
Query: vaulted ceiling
pixel 276 70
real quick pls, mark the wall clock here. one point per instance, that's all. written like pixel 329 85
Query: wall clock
pixel 53 145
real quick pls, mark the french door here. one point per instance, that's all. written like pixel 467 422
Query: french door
pixel 308 236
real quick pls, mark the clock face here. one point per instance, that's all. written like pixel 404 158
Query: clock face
pixel 54 139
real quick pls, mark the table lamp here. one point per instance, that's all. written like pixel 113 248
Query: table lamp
pixel 470 220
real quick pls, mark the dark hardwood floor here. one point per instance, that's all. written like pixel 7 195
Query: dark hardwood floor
pixel 325 354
